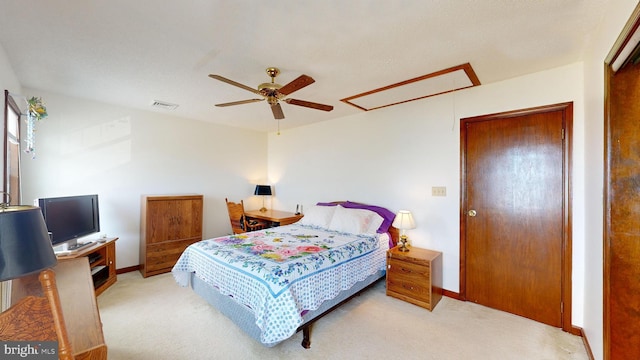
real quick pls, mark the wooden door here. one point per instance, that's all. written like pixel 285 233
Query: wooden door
pixel 622 217
pixel 513 214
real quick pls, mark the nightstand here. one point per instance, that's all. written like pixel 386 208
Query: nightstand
pixel 415 276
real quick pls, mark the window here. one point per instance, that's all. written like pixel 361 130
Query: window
pixel 10 155
pixel 11 150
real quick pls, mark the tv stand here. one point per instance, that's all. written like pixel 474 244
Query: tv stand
pixel 102 262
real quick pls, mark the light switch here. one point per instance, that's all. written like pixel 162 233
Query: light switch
pixel 439 191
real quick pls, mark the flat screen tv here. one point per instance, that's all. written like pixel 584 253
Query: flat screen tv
pixel 69 218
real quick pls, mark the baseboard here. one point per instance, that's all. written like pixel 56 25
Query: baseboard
pixel 128 269
pixel 575 330
pixel 585 341
pixel 453 295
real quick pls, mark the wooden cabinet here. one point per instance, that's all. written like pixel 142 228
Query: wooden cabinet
pixel 102 262
pixel 168 224
pixel 415 276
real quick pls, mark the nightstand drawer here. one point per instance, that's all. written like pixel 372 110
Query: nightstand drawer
pixel 415 291
pixel 407 270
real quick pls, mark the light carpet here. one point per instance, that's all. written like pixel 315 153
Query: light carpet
pixel 155 319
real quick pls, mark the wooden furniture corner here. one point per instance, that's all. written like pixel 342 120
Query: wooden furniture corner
pixel 63 308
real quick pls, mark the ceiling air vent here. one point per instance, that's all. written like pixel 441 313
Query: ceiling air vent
pixel 163 105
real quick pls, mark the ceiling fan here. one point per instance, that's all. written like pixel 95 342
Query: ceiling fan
pixel 273 93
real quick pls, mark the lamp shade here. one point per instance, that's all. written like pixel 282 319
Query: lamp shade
pixel 262 190
pixel 25 247
pixel 404 220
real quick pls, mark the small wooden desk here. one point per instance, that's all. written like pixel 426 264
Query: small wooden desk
pixel 274 217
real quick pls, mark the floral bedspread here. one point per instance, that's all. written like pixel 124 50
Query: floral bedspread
pixel 281 272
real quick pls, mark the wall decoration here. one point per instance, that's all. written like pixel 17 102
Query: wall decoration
pixel 35 112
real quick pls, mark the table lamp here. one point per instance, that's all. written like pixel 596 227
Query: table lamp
pixel 25 247
pixel 403 221
pixel 263 190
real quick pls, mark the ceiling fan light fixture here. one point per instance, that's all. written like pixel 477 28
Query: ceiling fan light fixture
pixel 272 100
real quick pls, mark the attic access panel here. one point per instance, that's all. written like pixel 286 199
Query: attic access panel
pixel 439 82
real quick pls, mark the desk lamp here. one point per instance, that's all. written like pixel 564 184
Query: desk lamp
pixel 263 190
pixel 403 221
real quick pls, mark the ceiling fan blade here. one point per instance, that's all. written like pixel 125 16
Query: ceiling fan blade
pixel 231 82
pixel 309 104
pixel 277 111
pixel 297 84
pixel 239 102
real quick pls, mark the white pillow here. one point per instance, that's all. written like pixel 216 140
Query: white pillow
pixel 355 221
pixel 318 216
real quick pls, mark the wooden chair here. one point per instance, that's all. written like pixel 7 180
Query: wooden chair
pixel 239 222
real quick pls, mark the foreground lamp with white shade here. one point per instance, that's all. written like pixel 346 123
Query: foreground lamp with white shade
pixel 403 221
pixel 263 190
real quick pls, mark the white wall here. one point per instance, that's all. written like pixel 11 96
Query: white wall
pixel 8 80
pixel 393 156
pixel 86 147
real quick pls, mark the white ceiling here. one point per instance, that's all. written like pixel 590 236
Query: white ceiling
pixel 132 52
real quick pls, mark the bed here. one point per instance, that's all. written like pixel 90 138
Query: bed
pixel 275 282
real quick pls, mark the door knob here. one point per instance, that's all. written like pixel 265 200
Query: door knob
pixel 471 213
